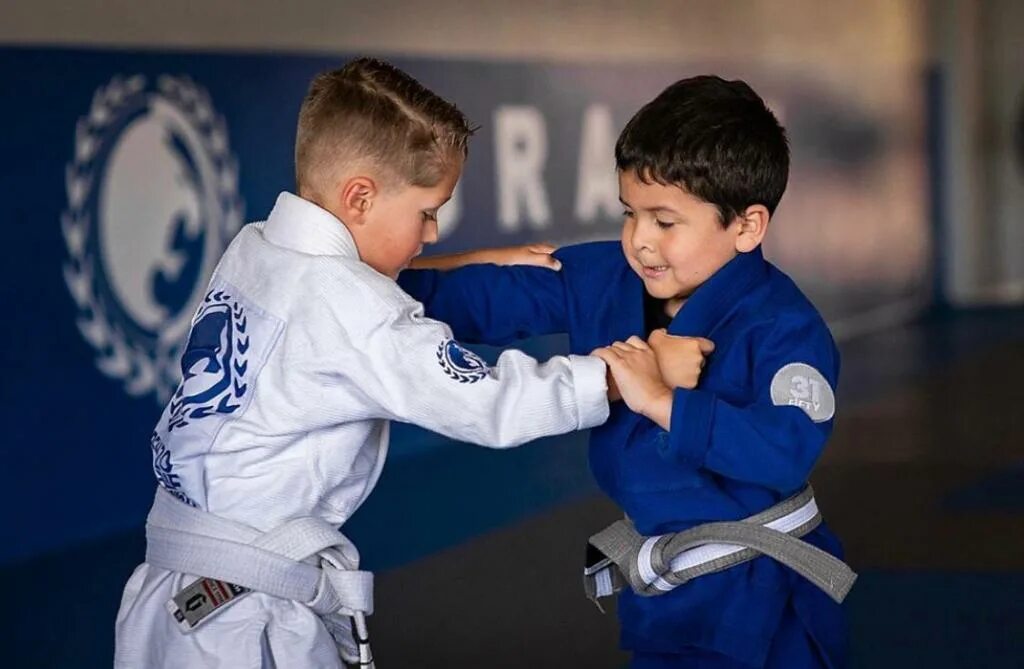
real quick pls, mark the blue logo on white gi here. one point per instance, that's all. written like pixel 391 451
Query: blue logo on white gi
pixel 214 363
pixel 163 468
pixel 460 364
pixel 152 203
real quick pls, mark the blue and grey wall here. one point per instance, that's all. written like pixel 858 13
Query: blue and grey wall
pixel 136 137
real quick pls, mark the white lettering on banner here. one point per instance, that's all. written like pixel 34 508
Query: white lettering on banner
pixel 448 216
pixel 597 189
pixel 521 150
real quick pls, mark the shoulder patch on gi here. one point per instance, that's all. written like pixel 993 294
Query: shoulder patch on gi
pixel 459 363
pixel 800 385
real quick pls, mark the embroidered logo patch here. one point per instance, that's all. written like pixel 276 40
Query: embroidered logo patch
pixel 459 363
pixel 800 385
pixel 215 362
pixel 163 468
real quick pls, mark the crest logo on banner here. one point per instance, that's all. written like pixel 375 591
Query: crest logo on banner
pixel 153 201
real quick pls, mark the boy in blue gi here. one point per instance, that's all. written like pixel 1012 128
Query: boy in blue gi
pixel 701 170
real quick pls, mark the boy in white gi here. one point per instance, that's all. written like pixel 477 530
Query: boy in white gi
pixel 301 352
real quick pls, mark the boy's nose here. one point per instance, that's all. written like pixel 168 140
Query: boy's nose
pixel 641 239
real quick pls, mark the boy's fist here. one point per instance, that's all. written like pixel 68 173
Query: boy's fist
pixel 680 359
pixel 635 376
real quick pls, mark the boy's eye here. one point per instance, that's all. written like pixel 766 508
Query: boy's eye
pixel 627 213
pixel 664 224
pixel 429 216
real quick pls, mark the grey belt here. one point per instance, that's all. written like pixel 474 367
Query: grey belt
pixel 618 555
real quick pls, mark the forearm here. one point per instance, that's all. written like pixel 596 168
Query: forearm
pixel 659 409
pixel 536 255
pixel 450 261
pixel 489 304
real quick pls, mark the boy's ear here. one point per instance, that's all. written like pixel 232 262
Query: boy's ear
pixel 356 199
pixel 753 224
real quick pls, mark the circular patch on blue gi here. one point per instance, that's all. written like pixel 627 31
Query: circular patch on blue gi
pixel 459 363
pixel 800 385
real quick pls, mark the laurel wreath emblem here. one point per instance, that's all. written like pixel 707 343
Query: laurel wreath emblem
pixel 230 400
pixel 457 371
pixel 117 355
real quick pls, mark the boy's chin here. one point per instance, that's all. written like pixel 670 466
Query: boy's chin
pixel 659 291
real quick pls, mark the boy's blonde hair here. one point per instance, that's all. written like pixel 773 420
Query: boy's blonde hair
pixel 372 115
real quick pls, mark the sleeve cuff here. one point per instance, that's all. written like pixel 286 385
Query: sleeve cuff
pixel 590 383
pixel 690 435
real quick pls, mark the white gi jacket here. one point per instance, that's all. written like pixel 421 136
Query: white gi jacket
pixel 297 358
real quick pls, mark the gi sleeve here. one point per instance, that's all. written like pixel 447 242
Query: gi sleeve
pixel 775 440
pixel 491 304
pixel 409 368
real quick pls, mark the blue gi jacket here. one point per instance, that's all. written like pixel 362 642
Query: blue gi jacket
pixel 730 453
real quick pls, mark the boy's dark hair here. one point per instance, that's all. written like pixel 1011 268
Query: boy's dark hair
pixel 370 110
pixel 714 138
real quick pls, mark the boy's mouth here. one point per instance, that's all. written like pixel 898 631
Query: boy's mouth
pixel 653 271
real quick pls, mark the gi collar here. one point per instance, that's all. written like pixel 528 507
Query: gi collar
pixel 302 226
pixel 717 296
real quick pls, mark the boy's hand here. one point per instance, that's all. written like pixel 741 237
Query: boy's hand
pixel 613 388
pixel 634 369
pixel 538 255
pixel 680 359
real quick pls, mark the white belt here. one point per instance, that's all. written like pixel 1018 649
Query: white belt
pixel 306 560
